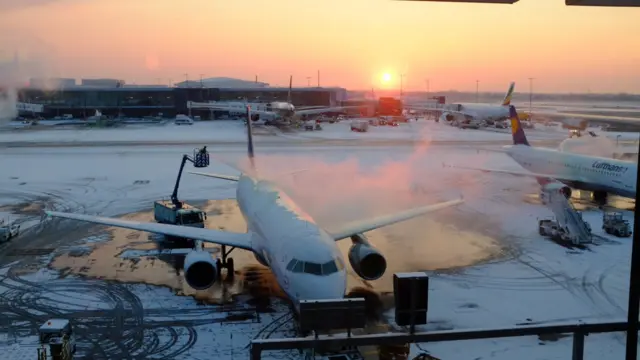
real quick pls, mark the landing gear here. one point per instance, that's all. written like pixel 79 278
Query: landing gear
pixel 225 262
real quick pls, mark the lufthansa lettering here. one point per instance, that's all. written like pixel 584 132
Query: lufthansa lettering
pixel 609 167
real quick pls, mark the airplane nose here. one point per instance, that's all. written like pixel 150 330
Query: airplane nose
pixel 324 287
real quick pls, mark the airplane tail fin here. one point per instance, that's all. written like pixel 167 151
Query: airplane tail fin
pixel 289 92
pixel 250 153
pixel 519 138
pixel 507 98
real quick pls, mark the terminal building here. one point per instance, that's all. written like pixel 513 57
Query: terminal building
pixel 112 97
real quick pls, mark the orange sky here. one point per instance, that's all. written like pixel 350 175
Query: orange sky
pixel 352 43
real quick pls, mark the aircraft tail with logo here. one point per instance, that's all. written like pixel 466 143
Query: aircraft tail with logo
pixel 507 98
pixel 517 132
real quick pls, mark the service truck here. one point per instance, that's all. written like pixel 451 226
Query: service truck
pixel 8 231
pixel 176 212
pixel 614 224
pixel 166 212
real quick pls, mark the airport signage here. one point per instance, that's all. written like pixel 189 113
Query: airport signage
pixel 609 167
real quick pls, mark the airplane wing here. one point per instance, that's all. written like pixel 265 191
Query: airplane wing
pixel 358 227
pixel 611 118
pixel 217 176
pixel 520 173
pixel 323 110
pixel 135 254
pixel 226 107
pixel 239 240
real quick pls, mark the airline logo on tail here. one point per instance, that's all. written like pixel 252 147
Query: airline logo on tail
pixel 517 132
pixel 507 98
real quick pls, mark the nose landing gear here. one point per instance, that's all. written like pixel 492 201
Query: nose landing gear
pixel 226 262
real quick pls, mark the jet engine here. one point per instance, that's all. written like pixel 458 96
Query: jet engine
pixel 547 189
pixel 448 117
pixel 365 260
pixel 200 270
pixel 260 260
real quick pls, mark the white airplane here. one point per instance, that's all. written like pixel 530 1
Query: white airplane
pixel 303 256
pixel 469 113
pixel 268 112
pixel 591 173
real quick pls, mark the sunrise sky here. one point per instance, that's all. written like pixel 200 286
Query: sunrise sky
pixel 352 42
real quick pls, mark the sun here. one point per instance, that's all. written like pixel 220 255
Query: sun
pixel 386 77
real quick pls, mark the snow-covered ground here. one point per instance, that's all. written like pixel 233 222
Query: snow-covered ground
pixel 232 131
pixel 510 274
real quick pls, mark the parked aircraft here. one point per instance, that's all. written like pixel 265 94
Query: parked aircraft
pixel 583 172
pixel 270 112
pixel 476 113
pixel 303 256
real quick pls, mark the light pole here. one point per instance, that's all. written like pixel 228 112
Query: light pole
pixel 427 81
pixel 530 97
pixel 201 85
pixel 401 84
pixel 308 81
pixel 477 87
pixel 186 77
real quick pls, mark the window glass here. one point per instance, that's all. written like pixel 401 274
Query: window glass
pixel 292 264
pixel 299 267
pixel 312 268
pixel 329 268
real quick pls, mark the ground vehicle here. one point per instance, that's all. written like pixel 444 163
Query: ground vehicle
pixel 613 223
pixel 8 231
pixel 309 125
pixel 183 120
pixel 551 228
pixel 165 212
pixel 359 125
pixel 176 212
pixel 59 336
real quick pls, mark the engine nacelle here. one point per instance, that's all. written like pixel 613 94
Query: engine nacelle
pixel 200 270
pixel 365 260
pixel 447 117
pixel 554 187
pixel 260 260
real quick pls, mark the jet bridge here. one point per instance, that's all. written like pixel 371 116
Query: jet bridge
pixel 568 219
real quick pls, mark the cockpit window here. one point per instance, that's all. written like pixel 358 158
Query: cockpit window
pixel 292 264
pixel 329 268
pixel 312 268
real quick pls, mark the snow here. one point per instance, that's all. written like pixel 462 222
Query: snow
pixel 421 131
pixel 199 131
pixel 233 131
pixel 533 280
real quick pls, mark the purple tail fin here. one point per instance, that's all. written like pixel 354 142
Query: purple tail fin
pixel 519 138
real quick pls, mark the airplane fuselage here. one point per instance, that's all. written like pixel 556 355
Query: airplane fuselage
pixel 486 111
pixel 281 232
pixel 595 173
